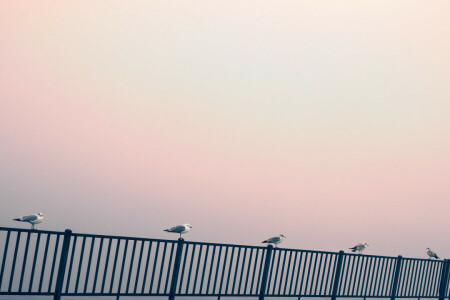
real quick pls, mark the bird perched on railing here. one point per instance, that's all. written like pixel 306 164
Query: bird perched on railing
pixel 180 229
pixel 274 240
pixel 431 254
pixel 360 247
pixel 32 219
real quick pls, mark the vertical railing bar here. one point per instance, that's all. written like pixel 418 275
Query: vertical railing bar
pixel 418 278
pixel 444 279
pixel 147 260
pixel 375 278
pixel 190 268
pixel 282 272
pixel 88 269
pixel 44 263
pixel 365 261
pixel 155 260
pixel 74 243
pixel 318 274
pixel 436 285
pixel 24 263
pixel 248 271
pixel 390 285
pixel 426 280
pixel 204 269
pixel 5 253
pixel 387 277
pixel 211 268
pixel 222 279
pixel 176 268
pixel 169 267
pixel 347 289
pixel 267 263
pixel 303 272
pixel 344 275
pixel 366 277
pixel 53 263
pixel 337 275
pixel 398 266
pixel 99 257
pixel 272 266
pixel 33 267
pixel 62 264
pixel 408 279
pixel 403 278
pixel 323 274
pixel 293 272
pixel 80 263
pixel 280 252
pixel 357 272
pixel 163 260
pixel 413 273
pixel 105 269
pixel 261 266
pixel 428 288
pixel 138 271
pixel 183 269
pixel 130 271
pixel 122 268
pixel 309 272
pixel 327 281
pixel 424 277
pixel 313 274
pixel 219 257
pixel 242 270
pixel 255 265
pixel 13 267
pixel 236 270
pixel 288 273
pixel 113 272
pixel 197 269
pixel 383 275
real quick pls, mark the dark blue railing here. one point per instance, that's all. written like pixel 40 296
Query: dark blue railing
pixel 37 262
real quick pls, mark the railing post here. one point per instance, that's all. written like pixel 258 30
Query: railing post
pixel 444 279
pixel 262 290
pixel 337 275
pixel 176 269
pixel 398 267
pixel 62 264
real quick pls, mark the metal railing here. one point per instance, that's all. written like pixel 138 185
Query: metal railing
pixel 36 262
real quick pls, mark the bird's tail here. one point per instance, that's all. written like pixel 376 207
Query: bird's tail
pixel 265 242
pixel 17 219
pixel 167 230
pixel 353 249
pixel 437 257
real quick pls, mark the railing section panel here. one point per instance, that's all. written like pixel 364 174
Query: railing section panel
pixel 217 269
pixel 29 261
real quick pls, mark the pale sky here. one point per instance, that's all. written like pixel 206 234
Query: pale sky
pixel 327 121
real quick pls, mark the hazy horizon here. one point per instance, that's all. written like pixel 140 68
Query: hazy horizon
pixel 325 121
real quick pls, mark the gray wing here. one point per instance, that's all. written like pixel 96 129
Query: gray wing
pixel 29 218
pixel 274 239
pixel 178 228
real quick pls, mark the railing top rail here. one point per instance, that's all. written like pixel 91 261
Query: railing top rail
pixel 207 243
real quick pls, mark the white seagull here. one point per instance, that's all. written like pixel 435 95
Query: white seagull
pixel 180 229
pixel 274 240
pixel 32 219
pixel 431 254
pixel 360 247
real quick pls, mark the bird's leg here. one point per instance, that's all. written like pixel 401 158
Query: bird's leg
pixel 32 226
pixel 180 235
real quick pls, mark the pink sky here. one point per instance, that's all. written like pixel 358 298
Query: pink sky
pixel 326 121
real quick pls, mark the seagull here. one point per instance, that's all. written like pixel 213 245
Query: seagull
pixel 180 229
pixel 274 240
pixel 32 219
pixel 360 247
pixel 431 254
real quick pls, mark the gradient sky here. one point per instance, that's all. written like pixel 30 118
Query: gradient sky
pixel 327 121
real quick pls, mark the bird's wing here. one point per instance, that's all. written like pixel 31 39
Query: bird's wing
pixel 274 239
pixel 29 218
pixel 178 228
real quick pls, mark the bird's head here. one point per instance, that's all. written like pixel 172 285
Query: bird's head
pixel 39 214
pixel 427 249
pixel 188 226
pixel 282 236
pixel 366 244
